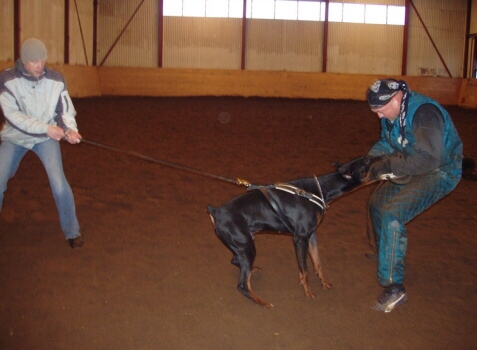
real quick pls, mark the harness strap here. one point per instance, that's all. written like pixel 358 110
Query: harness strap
pixel 325 206
pixel 296 191
pixel 320 202
pixel 277 209
pixel 299 192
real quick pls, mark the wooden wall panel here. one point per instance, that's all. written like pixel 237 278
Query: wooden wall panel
pixel 82 81
pixel 192 82
pixel 93 81
pixel 468 95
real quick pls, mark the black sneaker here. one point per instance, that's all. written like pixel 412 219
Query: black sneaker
pixel 75 242
pixel 390 298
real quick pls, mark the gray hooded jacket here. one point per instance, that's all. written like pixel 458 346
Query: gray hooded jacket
pixel 31 105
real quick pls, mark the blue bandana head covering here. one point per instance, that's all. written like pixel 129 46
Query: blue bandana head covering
pixel 382 91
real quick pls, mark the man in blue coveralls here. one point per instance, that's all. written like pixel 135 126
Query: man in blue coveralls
pixel 418 139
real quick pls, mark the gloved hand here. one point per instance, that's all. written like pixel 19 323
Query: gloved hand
pixel 381 168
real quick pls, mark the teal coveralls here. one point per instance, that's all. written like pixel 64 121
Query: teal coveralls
pixel 432 154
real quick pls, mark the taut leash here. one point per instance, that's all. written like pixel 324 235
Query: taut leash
pixel 317 200
pixel 237 181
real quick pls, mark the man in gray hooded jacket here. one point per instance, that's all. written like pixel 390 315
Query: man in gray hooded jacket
pixel 38 114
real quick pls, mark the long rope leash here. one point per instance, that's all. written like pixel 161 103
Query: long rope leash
pixel 237 181
pixel 317 200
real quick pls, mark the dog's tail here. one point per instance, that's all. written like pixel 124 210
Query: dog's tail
pixel 211 210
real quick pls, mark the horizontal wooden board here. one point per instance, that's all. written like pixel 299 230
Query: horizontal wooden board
pixel 84 81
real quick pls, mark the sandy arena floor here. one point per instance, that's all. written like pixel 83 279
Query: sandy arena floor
pixel 153 275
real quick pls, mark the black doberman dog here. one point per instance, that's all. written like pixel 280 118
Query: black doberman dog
pixel 295 207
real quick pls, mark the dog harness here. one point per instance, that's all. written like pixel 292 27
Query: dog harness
pixel 319 201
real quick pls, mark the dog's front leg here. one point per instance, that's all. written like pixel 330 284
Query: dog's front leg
pixel 301 246
pixel 315 258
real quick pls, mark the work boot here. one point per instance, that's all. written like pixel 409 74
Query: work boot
pixel 391 297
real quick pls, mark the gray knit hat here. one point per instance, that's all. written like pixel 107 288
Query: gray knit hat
pixel 32 50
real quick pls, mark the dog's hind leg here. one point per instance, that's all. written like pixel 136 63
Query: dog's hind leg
pixel 235 262
pixel 239 240
pixel 245 257
pixel 315 258
pixel 245 288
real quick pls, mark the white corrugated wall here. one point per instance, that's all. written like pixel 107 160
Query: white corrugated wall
pixel 81 32
pixel 216 43
pixel 137 46
pixel 284 45
pixel 445 21
pixel 6 31
pixel 45 20
pixel 213 43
